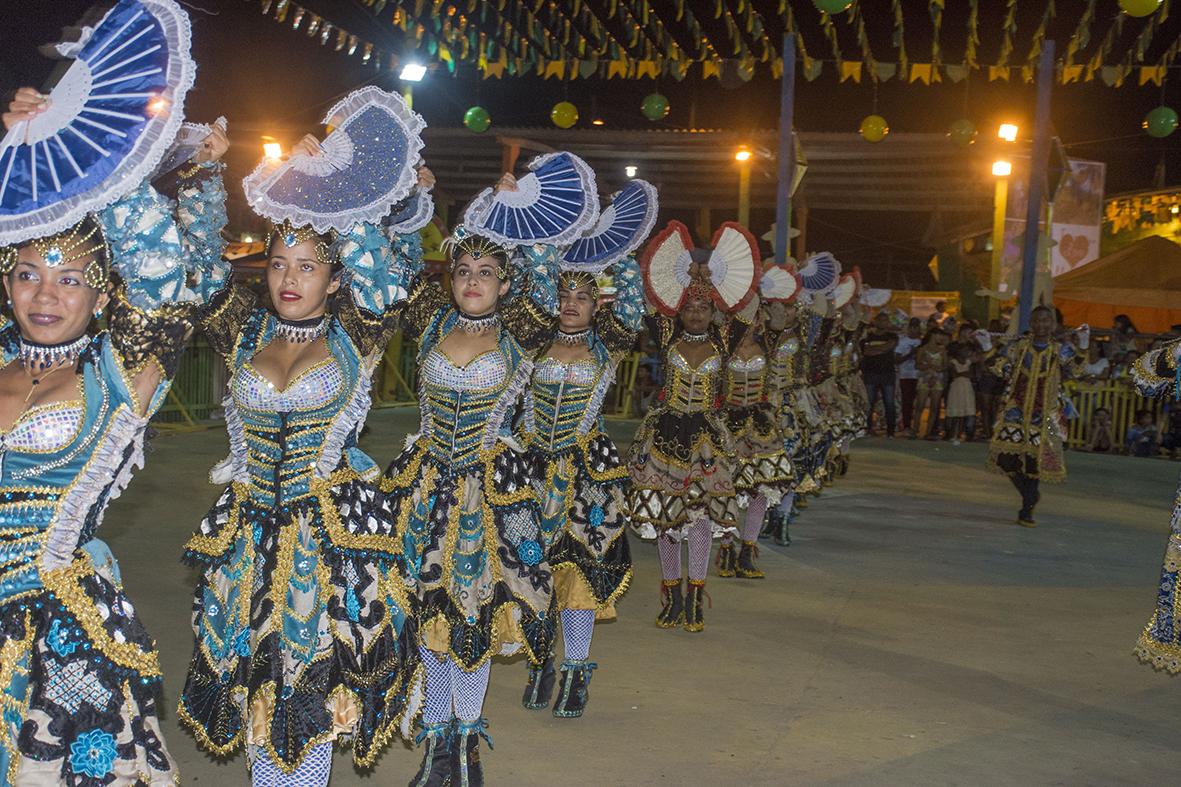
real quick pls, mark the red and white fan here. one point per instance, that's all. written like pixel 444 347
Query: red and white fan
pixel 779 284
pixel 844 292
pixel 875 297
pixel 730 272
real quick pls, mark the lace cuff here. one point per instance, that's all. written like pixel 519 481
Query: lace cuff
pixel 376 279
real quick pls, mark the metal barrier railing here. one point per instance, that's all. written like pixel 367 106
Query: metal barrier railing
pixel 1120 398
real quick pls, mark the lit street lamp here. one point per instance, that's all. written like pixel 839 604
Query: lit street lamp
pixel 742 156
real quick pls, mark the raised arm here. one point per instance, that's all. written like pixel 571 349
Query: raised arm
pixel 532 310
pixel 378 274
pixel 617 327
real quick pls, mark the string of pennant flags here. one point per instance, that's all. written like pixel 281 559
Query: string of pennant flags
pixel 572 40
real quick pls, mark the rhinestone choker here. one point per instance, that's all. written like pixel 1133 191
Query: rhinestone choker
pixel 581 337
pixel 43 356
pixel 694 337
pixel 478 324
pixel 301 331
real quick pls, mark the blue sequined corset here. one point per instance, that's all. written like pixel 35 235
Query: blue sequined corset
pixel 566 399
pixel 459 403
pixel 281 440
pixel 60 464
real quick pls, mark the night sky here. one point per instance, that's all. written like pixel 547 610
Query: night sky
pixel 268 79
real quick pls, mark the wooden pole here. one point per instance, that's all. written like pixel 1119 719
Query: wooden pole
pixel 786 153
pixel 1037 183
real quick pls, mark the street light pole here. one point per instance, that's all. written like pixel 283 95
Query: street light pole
pixel 744 193
pixel 999 207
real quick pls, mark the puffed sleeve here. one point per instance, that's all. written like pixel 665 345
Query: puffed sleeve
pixel 533 304
pixel 617 327
pixel 376 278
pixel 1155 372
pixel 152 307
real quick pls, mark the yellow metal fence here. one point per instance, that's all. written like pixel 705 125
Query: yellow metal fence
pixel 1120 398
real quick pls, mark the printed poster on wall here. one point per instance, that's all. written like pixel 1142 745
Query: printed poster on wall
pixel 1076 217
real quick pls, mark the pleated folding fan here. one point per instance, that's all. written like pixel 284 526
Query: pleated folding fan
pixel 779 284
pixel 366 168
pixel 622 227
pixel 730 272
pixel 820 272
pixel 112 116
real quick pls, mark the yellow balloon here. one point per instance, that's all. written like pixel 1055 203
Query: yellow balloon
pixel 874 128
pixel 564 114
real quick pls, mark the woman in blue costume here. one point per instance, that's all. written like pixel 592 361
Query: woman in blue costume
pixel 1157 374
pixel 581 481
pixel 303 620
pixel 461 491
pixel 78 671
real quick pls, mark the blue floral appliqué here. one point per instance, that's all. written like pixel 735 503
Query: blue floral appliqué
pixel 595 515
pixel 530 552
pixel 351 605
pixel 93 753
pixel 59 639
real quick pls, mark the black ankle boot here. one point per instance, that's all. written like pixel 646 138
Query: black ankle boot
pixel 466 768
pixel 673 612
pixel 572 693
pixel 772 524
pixel 695 606
pixel 540 687
pixel 725 559
pixel 746 567
pixel 783 534
pixel 435 770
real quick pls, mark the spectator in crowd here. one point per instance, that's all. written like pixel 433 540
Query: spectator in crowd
pixel 961 398
pixel 1098 367
pixel 908 375
pixel 1123 335
pixel 1101 439
pixel 1118 369
pixel 1171 439
pixel 1143 435
pixel 940 314
pixel 931 363
pixel 878 369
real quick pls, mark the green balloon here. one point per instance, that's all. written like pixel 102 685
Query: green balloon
pixel 1161 122
pixel 655 107
pixel 477 119
pixel 1139 7
pixel 564 114
pixel 832 6
pixel 962 132
pixel 874 128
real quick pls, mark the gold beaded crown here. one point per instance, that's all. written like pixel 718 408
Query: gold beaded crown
pixel 84 239
pixel 462 242
pixel 291 236
pixel 572 280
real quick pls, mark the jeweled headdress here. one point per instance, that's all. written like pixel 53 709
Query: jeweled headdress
pixel 84 239
pixel 573 280
pixel 462 241
pixel 291 236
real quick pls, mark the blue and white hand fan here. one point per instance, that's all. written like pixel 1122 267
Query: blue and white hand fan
pixel 367 166
pixel 111 117
pixel 187 144
pixel 556 203
pixel 820 272
pixel 622 227
pixel 411 215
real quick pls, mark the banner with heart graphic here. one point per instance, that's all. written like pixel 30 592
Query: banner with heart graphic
pixel 1077 215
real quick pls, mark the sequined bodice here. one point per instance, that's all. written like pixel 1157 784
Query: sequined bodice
pixel 745 380
pixel 458 402
pixel 564 398
pixel 691 389
pixel 281 439
pixel 59 466
pixel 46 429
pixel 785 361
pixel 313 388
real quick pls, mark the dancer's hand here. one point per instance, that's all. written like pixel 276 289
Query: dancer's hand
pixel 26 104
pixel 308 146
pixel 426 179
pixel 507 182
pixel 214 146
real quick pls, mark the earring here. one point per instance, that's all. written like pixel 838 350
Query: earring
pixel 98 314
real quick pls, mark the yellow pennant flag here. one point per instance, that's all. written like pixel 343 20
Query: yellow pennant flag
pixel 617 68
pixel 996 73
pixel 711 69
pixel 920 72
pixel 555 68
pixel 1153 74
pixel 1071 74
pixel 777 68
pixel 851 69
pixel 647 69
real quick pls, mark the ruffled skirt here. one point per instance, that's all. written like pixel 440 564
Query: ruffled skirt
pixel 78 683
pixel 305 625
pixel 1160 642
pixel 583 493
pixel 472 539
pixel 680 464
pixel 1032 447
pixel 761 463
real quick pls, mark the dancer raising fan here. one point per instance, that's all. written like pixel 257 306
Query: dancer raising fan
pixel 681 458
pixel 461 492
pixel 580 479
pixel 1027 439
pixel 1156 374
pixel 304 626
pixel 763 474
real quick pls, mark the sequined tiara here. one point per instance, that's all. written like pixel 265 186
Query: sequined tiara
pixel 84 239
pixel 573 280
pixel 462 242
pixel 291 236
